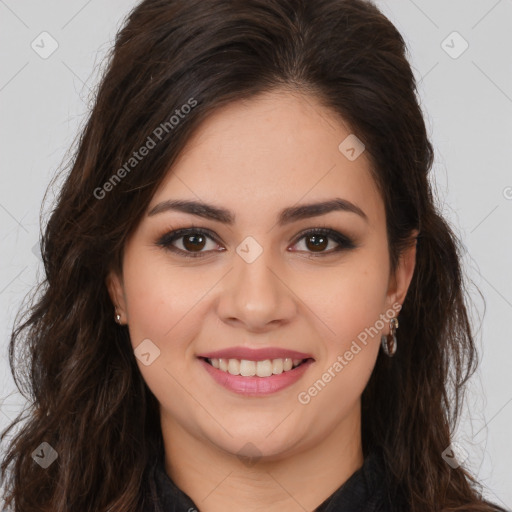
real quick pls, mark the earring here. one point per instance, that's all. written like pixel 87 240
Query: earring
pixel 118 317
pixel 389 343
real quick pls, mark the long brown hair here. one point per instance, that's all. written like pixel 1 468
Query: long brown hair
pixel 76 366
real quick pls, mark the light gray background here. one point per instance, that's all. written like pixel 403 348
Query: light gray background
pixel 468 106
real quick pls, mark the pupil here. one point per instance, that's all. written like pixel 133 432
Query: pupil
pixel 191 242
pixel 321 241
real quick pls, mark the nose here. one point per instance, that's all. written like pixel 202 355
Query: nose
pixel 256 296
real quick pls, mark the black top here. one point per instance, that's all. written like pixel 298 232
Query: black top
pixel 364 491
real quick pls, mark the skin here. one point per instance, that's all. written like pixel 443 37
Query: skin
pixel 255 158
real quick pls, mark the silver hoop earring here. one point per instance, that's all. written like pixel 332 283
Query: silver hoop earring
pixel 389 342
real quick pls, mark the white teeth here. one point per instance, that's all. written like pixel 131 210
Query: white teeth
pixel 247 368
pixel 234 366
pixel 277 366
pixel 263 368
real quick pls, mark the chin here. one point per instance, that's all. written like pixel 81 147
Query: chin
pixel 253 446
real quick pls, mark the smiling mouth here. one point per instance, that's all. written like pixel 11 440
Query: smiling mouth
pixel 246 368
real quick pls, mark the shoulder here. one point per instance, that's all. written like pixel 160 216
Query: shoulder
pixel 160 493
pixel 367 490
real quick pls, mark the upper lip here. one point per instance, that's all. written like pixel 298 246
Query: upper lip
pixel 255 354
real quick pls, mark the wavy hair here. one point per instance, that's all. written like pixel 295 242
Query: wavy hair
pixel 76 367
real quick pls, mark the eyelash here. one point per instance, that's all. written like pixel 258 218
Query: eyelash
pixel 345 243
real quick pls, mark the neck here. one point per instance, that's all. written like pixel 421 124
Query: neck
pixel 299 480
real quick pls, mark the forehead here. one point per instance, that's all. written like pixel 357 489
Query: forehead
pixel 278 149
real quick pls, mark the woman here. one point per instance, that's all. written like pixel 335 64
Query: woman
pixel 251 301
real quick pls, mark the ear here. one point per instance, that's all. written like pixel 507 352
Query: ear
pixel 115 286
pixel 401 279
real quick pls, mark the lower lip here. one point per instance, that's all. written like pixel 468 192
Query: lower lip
pixel 256 386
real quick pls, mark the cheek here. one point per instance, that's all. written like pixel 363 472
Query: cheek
pixel 161 298
pixel 160 306
pixel 350 300
pixel 351 307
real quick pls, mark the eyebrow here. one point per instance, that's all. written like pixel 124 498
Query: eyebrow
pixel 286 216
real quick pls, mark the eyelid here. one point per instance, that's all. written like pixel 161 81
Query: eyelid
pixel 171 235
pixel 344 242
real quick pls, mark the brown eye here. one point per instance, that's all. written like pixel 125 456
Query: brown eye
pixel 189 242
pixel 316 242
pixel 194 242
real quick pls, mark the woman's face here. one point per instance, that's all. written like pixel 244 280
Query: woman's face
pixel 252 279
